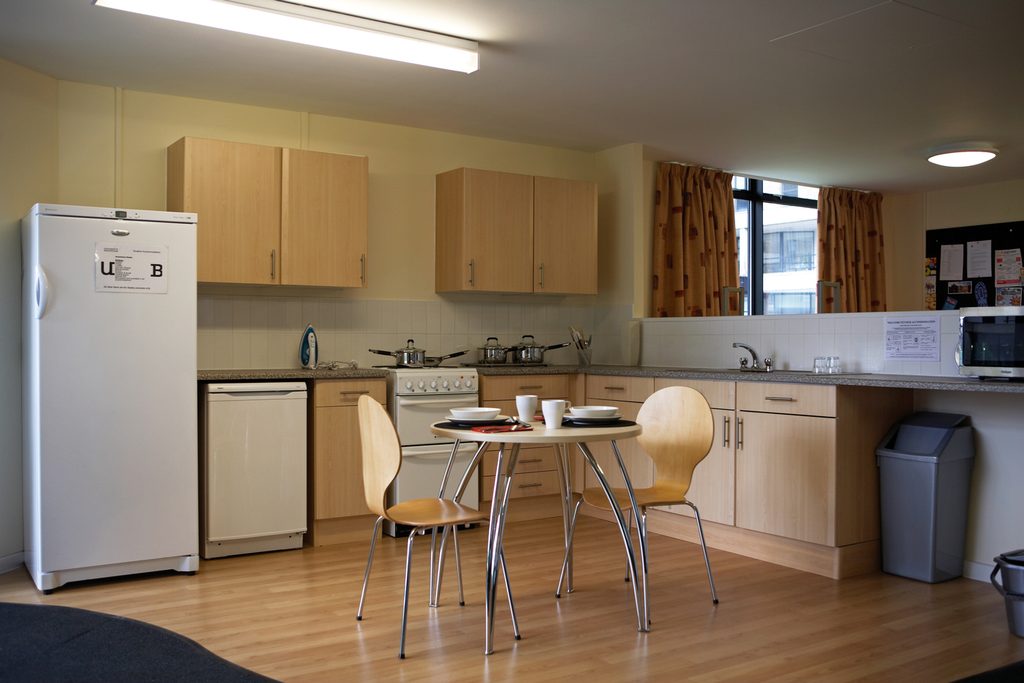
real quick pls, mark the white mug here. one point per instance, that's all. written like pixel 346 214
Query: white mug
pixel 554 411
pixel 526 405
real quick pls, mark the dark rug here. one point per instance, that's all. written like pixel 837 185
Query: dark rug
pixel 50 643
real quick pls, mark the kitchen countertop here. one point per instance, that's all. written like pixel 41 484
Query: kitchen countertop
pixel 715 374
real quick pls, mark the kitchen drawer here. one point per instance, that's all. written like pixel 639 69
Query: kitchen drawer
pixel 790 399
pixel 538 459
pixel 346 392
pixel 609 387
pixel 524 485
pixel 719 394
pixel 510 386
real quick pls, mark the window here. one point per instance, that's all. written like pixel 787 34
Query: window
pixel 777 231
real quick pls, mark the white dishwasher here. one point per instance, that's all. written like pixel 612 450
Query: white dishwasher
pixel 254 467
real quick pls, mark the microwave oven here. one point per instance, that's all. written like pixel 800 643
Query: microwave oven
pixel 991 342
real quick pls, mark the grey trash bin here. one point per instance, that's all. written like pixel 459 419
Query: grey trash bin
pixel 924 473
pixel 1011 564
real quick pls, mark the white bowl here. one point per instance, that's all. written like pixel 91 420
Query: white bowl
pixel 475 413
pixel 593 411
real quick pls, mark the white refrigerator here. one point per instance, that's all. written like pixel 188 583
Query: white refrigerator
pixel 109 380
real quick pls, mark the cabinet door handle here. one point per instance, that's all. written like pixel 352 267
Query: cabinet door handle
pixel 354 392
pixel 530 460
pixel 788 399
pixel 739 433
pixel 362 269
pixel 541 267
pixel 615 388
pixel 273 264
pixel 531 486
pixel 472 272
pixel 725 431
pixel 532 386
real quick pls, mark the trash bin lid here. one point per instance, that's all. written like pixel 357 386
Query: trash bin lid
pixel 1015 557
pixel 935 420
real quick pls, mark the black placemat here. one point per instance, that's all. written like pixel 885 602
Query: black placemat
pixel 616 423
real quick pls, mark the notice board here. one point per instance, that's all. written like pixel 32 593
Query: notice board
pixel 977 265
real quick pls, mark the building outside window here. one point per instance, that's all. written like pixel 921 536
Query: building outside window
pixel 777 231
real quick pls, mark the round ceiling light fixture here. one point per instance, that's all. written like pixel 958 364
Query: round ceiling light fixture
pixel 961 154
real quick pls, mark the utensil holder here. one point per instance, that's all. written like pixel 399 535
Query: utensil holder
pixel 584 355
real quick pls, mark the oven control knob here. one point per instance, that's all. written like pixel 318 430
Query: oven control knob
pixel 421 384
pixel 458 384
pixel 408 385
pixel 433 384
pixel 444 385
pixel 469 382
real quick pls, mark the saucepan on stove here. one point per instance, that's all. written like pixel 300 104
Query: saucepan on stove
pixel 529 351
pixel 414 357
pixel 493 353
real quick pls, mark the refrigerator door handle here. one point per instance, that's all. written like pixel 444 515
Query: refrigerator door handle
pixel 42 291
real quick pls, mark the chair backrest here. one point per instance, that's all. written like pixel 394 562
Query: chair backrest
pixel 678 432
pixel 382 453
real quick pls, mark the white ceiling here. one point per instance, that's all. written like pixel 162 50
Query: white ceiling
pixel 826 92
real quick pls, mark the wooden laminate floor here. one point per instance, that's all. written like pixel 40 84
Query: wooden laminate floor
pixel 291 615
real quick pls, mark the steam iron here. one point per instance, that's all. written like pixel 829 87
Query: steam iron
pixel 308 353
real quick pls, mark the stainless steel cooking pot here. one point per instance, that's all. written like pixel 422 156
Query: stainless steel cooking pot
pixel 493 352
pixel 529 351
pixel 413 357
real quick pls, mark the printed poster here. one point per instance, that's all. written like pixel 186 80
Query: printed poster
pixel 912 338
pixel 1008 267
pixel 131 268
pixel 929 292
pixel 951 262
pixel 979 259
pixel 1008 296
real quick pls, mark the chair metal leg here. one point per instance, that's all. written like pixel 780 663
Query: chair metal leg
pixel 369 563
pixel 562 576
pixel 458 566
pixel 405 596
pixel 704 547
pixel 627 559
pixel 508 592
pixel 434 568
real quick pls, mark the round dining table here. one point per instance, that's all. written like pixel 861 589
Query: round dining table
pixel 509 439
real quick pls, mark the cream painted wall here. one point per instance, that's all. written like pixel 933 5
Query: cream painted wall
pixel 28 174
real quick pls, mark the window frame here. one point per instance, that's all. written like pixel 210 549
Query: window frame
pixel 757 198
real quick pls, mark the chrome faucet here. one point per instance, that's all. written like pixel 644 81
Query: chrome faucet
pixel 755 365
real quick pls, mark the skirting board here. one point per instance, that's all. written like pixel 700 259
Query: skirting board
pixel 835 563
pixel 979 571
pixel 11 562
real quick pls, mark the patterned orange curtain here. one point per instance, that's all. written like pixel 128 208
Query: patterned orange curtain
pixel 695 252
pixel 850 248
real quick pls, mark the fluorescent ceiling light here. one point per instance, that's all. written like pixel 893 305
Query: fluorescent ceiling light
pixel 962 154
pixel 310 26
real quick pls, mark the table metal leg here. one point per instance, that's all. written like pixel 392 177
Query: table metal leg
pixel 463 484
pixel 641 620
pixel 641 531
pixel 565 486
pixel 495 531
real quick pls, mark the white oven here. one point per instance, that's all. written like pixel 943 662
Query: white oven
pixel 417 398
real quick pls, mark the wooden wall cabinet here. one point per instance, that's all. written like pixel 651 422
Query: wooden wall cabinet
pixel 507 232
pixel 336 469
pixel 272 216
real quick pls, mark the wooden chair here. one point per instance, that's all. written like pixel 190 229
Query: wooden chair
pixel 382 458
pixel 678 434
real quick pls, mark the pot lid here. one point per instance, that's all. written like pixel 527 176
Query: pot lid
pixel 1015 557
pixel 492 343
pixel 410 347
pixel 528 342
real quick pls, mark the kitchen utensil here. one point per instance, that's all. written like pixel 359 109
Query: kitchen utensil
pixel 593 411
pixel 477 413
pixel 554 410
pixel 526 406
pixel 528 351
pixel 493 352
pixel 414 357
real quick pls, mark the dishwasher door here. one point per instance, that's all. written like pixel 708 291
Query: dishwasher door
pixel 254 466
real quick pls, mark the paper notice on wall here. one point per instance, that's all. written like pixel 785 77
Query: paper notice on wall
pixel 951 262
pixel 131 268
pixel 1007 267
pixel 912 338
pixel 929 293
pixel 1008 296
pixel 979 259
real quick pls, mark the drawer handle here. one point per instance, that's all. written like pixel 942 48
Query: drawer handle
pixel 788 399
pixel 354 392
pixel 615 388
pixel 531 386
pixel 531 486
pixel 531 460
pixel 725 431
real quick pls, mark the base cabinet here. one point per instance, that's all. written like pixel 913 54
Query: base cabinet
pixel 336 481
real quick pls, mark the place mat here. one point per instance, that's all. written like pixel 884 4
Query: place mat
pixel 500 429
pixel 467 426
pixel 598 425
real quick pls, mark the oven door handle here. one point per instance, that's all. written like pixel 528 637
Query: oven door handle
pixel 460 401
